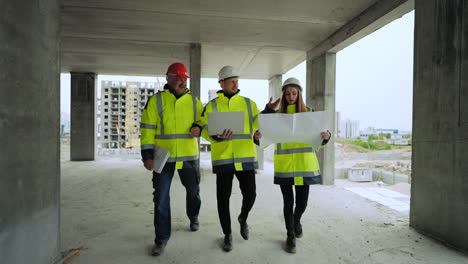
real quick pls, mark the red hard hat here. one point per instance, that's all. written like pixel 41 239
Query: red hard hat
pixel 178 69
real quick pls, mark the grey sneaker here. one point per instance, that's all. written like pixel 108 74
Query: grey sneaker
pixel 158 249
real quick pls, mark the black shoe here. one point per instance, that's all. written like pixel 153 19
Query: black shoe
pixel 291 244
pixel 298 230
pixel 194 226
pixel 158 249
pixel 244 228
pixel 227 243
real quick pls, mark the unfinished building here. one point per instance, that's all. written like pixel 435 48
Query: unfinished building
pixel 263 40
pixel 120 110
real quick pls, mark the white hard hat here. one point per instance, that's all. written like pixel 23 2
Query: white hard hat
pixel 227 72
pixel 292 81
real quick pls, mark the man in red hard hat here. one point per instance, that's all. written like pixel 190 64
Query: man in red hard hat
pixel 178 69
pixel 169 122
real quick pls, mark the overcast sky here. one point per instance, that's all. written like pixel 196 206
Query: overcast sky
pixel 374 82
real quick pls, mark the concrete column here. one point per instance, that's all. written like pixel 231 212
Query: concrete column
pixel 321 74
pixel 439 190
pixel 83 116
pixel 195 69
pixel 275 84
pixel 29 132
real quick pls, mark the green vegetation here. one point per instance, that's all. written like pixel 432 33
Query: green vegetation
pixel 378 145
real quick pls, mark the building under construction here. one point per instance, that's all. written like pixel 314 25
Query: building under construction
pixel 121 106
pixel 263 40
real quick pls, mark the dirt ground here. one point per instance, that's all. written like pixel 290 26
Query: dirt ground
pixel 107 216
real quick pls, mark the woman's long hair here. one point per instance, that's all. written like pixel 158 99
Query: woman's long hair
pixel 300 106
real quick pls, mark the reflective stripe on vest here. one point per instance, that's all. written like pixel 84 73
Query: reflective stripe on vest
pixel 214 107
pixel 194 103
pixel 186 158
pixel 297 174
pixel 233 160
pixel 249 109
pixel 160 111
pixel 161 117
pixel 174 136
pixel 279 150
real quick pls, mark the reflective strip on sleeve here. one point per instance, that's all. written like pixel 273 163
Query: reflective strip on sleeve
pixel 147 126
pixel 147 146
pixel 174 136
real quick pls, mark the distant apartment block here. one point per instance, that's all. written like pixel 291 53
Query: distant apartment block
pixel 338 126
pixel 351 129
pixel 120 109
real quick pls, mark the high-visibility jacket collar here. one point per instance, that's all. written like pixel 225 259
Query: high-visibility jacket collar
pixel 221 94
pixel 169 89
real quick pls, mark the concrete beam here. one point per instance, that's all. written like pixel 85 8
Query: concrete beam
pixel 195 69
pixel 275 83
pixel 373 18
pixel 29 132
pixel 439 200
pixel 83 116
pixel 125 57
pixel 321 76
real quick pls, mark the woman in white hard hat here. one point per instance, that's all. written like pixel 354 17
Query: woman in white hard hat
pixel 295 164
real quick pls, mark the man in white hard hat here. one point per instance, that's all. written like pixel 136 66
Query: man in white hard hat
pixel 233 154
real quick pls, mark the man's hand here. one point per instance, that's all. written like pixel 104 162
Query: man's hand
pixel 273 105
pixel 226 134
pixel 257 135
pixel 326 135
pixel 195 131
pixel 148 164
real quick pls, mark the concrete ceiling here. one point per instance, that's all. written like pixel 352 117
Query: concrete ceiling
pixel 261 38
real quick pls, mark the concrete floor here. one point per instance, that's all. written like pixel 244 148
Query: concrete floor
pixel 107 208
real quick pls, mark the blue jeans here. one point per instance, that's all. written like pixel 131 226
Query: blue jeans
pixel 190 178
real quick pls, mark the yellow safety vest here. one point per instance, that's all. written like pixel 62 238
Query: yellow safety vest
pixel 166 122
pixel 296 163
pixel 238 150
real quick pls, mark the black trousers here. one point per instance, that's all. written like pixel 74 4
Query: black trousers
pixel 223 193
pixel 293 216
